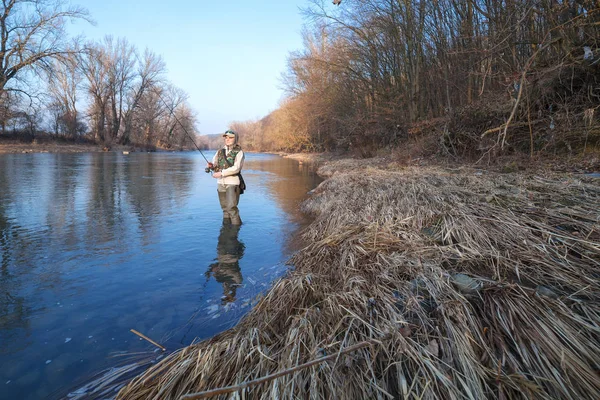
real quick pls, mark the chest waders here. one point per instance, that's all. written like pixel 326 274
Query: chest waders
pixel 229 195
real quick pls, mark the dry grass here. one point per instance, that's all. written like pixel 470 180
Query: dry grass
pixel 467 285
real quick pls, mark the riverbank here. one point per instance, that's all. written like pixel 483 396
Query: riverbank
pixel 53 145
pixel 42 146
pixel 34 147
pixel 419 281
pixel 395 159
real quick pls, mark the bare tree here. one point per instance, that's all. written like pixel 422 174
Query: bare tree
pixel 31 35
pixel 120 62
pixel 162 118
pixel 151 69
pixel 64 80
pixel 176 121
pixel 6 109
pixel 94 67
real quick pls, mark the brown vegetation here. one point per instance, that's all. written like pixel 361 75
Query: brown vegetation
pixel 496 78
pixel 419 283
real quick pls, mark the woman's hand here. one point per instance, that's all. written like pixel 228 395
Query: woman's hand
pixel 217 175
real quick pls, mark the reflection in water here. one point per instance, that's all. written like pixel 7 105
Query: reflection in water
pixel 227 268
pixel 61 217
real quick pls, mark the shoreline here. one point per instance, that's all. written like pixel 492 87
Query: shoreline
pixel 9 146
pixel 43 146
pixel 26 148
pixel 403 280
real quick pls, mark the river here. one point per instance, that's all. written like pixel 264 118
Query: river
pixel 93 245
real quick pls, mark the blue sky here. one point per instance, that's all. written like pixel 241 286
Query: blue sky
pixel 227 55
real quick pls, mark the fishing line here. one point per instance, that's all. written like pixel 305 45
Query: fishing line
pixel 172 111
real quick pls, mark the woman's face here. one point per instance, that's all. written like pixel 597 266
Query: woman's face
pixel 229 141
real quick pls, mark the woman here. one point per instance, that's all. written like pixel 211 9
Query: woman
pixel 227 164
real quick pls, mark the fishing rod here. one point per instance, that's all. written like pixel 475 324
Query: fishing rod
pixel 172 111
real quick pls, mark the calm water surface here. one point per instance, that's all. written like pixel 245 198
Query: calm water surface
pixel 93 245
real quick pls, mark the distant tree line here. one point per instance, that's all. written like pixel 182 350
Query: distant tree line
pixel 495 74
pixel 108 91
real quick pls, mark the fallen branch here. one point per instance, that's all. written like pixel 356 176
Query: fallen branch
pixel 230 389
pixel 503 126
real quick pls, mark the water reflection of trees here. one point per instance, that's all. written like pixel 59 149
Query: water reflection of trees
pixel 104 218
pixel 62 191
pixel 12 308
pixel 141 187
pixel 14 313
pixel 226 270
pixel 296 180
pixel 51 204
pixel 65 198
pixel 156 184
